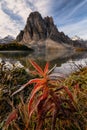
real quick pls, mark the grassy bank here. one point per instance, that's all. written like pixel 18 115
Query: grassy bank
pixel 52 105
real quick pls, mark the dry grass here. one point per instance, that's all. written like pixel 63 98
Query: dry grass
pixel 52 105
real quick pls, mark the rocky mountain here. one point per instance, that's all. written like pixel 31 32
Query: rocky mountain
pixel 6 39
pixel 38 29
pixel 76 38
pixel 78 42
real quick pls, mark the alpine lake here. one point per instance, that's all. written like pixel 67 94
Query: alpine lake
pixel 61 58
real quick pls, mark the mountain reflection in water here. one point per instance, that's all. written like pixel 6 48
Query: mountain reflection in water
pixel 54 57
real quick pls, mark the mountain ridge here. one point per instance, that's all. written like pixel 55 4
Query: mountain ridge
pixel 39 29
pixel 7 39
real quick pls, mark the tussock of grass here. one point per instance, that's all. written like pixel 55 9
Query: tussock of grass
pixel 77 82
pixel 10 81
pixel 69 105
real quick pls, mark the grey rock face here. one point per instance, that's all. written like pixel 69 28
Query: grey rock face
pixel 38 28
pixel 20 36
pixel 35 28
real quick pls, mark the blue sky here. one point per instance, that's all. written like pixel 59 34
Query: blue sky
pixel 70 16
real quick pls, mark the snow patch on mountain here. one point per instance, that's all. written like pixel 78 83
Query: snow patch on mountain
pixel 7 39
pixel 76 38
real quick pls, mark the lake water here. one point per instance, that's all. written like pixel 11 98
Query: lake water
pixel 60 58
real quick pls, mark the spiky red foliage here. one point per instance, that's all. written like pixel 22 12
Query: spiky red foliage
pixel 41 84
pixel 13 116
pixel 49 98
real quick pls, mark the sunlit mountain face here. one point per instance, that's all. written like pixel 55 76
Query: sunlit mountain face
pixel 69 15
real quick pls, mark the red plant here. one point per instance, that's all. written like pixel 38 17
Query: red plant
pixel 40 84
pixel 45 99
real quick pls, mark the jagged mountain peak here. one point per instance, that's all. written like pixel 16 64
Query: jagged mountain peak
pixel 49 19
pixel 38 28
pixel 35 14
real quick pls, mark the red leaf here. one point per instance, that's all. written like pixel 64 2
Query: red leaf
pixel 11 117
pixel 39 100
pixel 34 72
pixel 44 96
pixel 36 88
pixel 46 68
pixel 69 93
pixel 37 80
pixel 37 67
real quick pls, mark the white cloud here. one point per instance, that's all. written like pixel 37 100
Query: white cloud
pixel 6 25
pixel 76 8
pixel 43 6
pixel 79 29
pixel 20 8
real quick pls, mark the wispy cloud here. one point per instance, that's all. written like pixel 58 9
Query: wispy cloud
pixel 69 15
pixel 7 26
pixel 14 13
pixel 9 12
pixel 81 4
pixel 71 18
pixel 79 29
pixel 10 19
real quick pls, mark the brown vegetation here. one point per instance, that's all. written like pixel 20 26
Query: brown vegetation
pixel 53 104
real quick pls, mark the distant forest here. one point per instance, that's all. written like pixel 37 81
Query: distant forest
pixel 14 46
